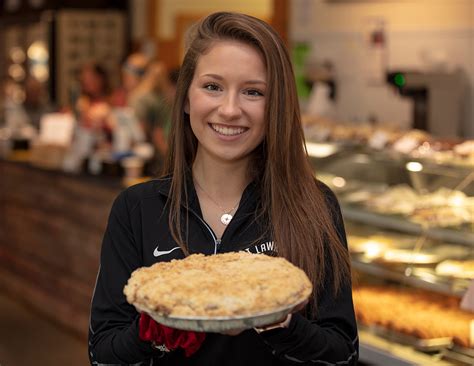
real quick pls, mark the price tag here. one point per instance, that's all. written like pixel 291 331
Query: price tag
pixel 56 129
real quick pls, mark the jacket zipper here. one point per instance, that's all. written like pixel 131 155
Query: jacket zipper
pixel 217 242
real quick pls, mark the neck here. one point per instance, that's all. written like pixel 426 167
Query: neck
pixel 224 181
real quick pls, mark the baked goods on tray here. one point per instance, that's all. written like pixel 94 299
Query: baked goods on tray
pixel 229 285
pixel 420 314
pixel 409 256
pixel 456 268
pixel 441 208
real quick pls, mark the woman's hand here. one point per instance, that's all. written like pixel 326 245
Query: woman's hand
pixel 168 339
pixel 282 323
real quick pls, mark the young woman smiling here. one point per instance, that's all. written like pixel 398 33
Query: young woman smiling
pixel 237 178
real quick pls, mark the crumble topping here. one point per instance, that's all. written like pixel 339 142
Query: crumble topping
pixel 236 284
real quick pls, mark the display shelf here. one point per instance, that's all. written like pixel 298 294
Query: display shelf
pixel 403 225
pixel 445 287
pixel 459 356
pixel 427 162
pixel 375 350
pixel 349 170
pixel 324 149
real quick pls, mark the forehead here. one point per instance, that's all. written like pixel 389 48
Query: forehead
pixel 231 56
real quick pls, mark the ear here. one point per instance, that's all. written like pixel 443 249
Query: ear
pixel 186 106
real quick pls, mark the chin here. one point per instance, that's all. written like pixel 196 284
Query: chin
pixel 232 157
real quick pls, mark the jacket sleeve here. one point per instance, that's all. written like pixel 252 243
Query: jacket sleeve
pixel 113 329
pixel 331 338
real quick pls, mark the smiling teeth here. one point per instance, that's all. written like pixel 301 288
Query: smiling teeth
pixel 228 131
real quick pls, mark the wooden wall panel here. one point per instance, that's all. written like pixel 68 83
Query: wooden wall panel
pixel 51 230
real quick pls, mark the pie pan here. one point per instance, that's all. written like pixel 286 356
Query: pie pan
pixel 221 324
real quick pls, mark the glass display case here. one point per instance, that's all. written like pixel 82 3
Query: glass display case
pixel 410 227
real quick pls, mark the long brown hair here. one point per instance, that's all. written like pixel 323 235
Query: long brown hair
pixel 301 222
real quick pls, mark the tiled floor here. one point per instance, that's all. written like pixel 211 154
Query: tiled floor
pixel 27 338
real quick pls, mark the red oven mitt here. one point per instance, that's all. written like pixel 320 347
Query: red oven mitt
pixel 149 330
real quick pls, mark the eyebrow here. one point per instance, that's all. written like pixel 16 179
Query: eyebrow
pixel 218 77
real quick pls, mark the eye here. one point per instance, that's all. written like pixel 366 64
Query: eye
pixel 211 87
pixel 254 93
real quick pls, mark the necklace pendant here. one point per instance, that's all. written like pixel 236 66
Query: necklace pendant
pixel 225 219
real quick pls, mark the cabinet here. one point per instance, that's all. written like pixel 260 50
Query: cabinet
pixel 410 227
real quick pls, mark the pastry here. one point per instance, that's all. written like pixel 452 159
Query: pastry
pixel 442 216
pixel 224 285
pixel 400 199
pixel 456 268
pixel 420 314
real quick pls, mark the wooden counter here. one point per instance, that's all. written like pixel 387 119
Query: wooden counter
pixel 51 228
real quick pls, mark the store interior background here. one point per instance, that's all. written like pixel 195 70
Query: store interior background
pixel 428 35
pixel 420 34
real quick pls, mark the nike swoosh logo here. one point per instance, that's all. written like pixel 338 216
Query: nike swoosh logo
pixel 159 253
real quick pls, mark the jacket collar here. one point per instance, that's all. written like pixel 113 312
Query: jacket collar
pixel 164 188
pixel 249 194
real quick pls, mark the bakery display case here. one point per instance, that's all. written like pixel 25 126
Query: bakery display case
pixel 410 228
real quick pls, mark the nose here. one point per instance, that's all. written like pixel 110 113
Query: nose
pixel 230 108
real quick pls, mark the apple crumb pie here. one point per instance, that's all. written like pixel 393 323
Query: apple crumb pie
pixel 234 284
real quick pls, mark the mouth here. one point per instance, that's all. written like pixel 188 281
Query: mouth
pixel 227 130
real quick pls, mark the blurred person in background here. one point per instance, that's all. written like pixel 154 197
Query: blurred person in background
pixel 152 102
pixel 92 107
pixel 133 71
pixel 95 127
pixel 146 94
pixel 36 101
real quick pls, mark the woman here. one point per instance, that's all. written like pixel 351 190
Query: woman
pixel 152 103
pixel 238 179
pixel 92 105
pixel 133 70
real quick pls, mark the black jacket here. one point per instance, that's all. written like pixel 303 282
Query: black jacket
pixel 138 235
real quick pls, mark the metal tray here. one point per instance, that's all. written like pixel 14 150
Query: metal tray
pixel 465 351
pixel 460 355
pixel 424 345
pixel 221 324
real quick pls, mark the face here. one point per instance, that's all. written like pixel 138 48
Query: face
pixel 91 82
pixel 226 101
pixel 131 77
pixel 133 71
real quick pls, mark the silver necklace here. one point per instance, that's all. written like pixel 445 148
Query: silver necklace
pixel 227 216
